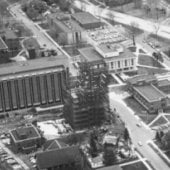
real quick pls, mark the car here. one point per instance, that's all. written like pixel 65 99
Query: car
pixel 138 124
pixel 140 143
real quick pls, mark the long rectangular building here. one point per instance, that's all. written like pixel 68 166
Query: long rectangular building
pixel 39 82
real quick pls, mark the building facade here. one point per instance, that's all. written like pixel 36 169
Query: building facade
pixel 67 30
pixel 25 139
pixel 41 82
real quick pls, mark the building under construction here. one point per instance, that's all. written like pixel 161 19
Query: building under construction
pixel 88 103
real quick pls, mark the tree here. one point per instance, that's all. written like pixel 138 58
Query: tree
pixel 133 31
pixel 109 156
pixel 93 145
pixel 157 137
pixel 111 16
pixel 126 134
pixel 156 28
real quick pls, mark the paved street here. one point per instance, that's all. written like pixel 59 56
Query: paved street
pixel 142 134
pixel 39 34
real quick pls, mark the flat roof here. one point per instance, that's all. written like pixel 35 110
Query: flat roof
pixel 28 131
pixel 107 48
pixel 43 63
pixel 90 54
pixel 150 92
pixel 3 46
pixel 85 18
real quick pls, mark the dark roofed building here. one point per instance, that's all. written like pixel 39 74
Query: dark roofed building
pixel 25 139
pixel 67 158
pixel 86 20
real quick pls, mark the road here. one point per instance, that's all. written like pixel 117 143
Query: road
pixel 42 39
pixel 142 133
pixel 41 35
pixel 148 26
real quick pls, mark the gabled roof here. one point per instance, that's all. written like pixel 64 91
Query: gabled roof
pixel 3 46
pixel 58 157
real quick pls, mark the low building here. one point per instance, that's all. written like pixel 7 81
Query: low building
pixel 59 157
pixel 151 98
pixel 116 57
pixel 87 20
pixel 67 30
pixel 25 139
pixel 164 85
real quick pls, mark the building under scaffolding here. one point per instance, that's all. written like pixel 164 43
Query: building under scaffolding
pixel 88 103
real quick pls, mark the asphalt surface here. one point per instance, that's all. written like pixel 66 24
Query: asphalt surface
pixel 42 39
pixel 142 134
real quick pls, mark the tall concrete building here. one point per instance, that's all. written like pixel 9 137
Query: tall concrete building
pixel 35 83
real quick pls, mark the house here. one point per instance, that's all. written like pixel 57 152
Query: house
pixel 86 20
pixel 67 30
pixel 115 56
pixel 25 139
pixel 59 158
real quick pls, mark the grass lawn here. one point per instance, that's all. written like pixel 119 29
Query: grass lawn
pixel 168 117
pixel 135 166
pixel 148 61
pixel 112 80
pixel 144 70
pixel 139 110
pixel 168 154
pixel 159 122
pixel 132 49
pixel 141 51
pixel 44 25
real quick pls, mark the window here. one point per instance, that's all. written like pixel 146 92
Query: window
pixel 118 64
pixel 132 61
pixel 111 64
pixel 125 63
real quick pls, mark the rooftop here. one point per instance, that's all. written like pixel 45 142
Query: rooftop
pixel 24 133
pixel 40 64
pixel 85 18
pixel 150 92
pixel 58 157
pixel 93 55
pixel 3 46
pixel 90 54
pixel 139 78
pixel 165 82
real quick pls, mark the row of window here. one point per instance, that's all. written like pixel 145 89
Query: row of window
pixel 30 91
pixel 125 62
